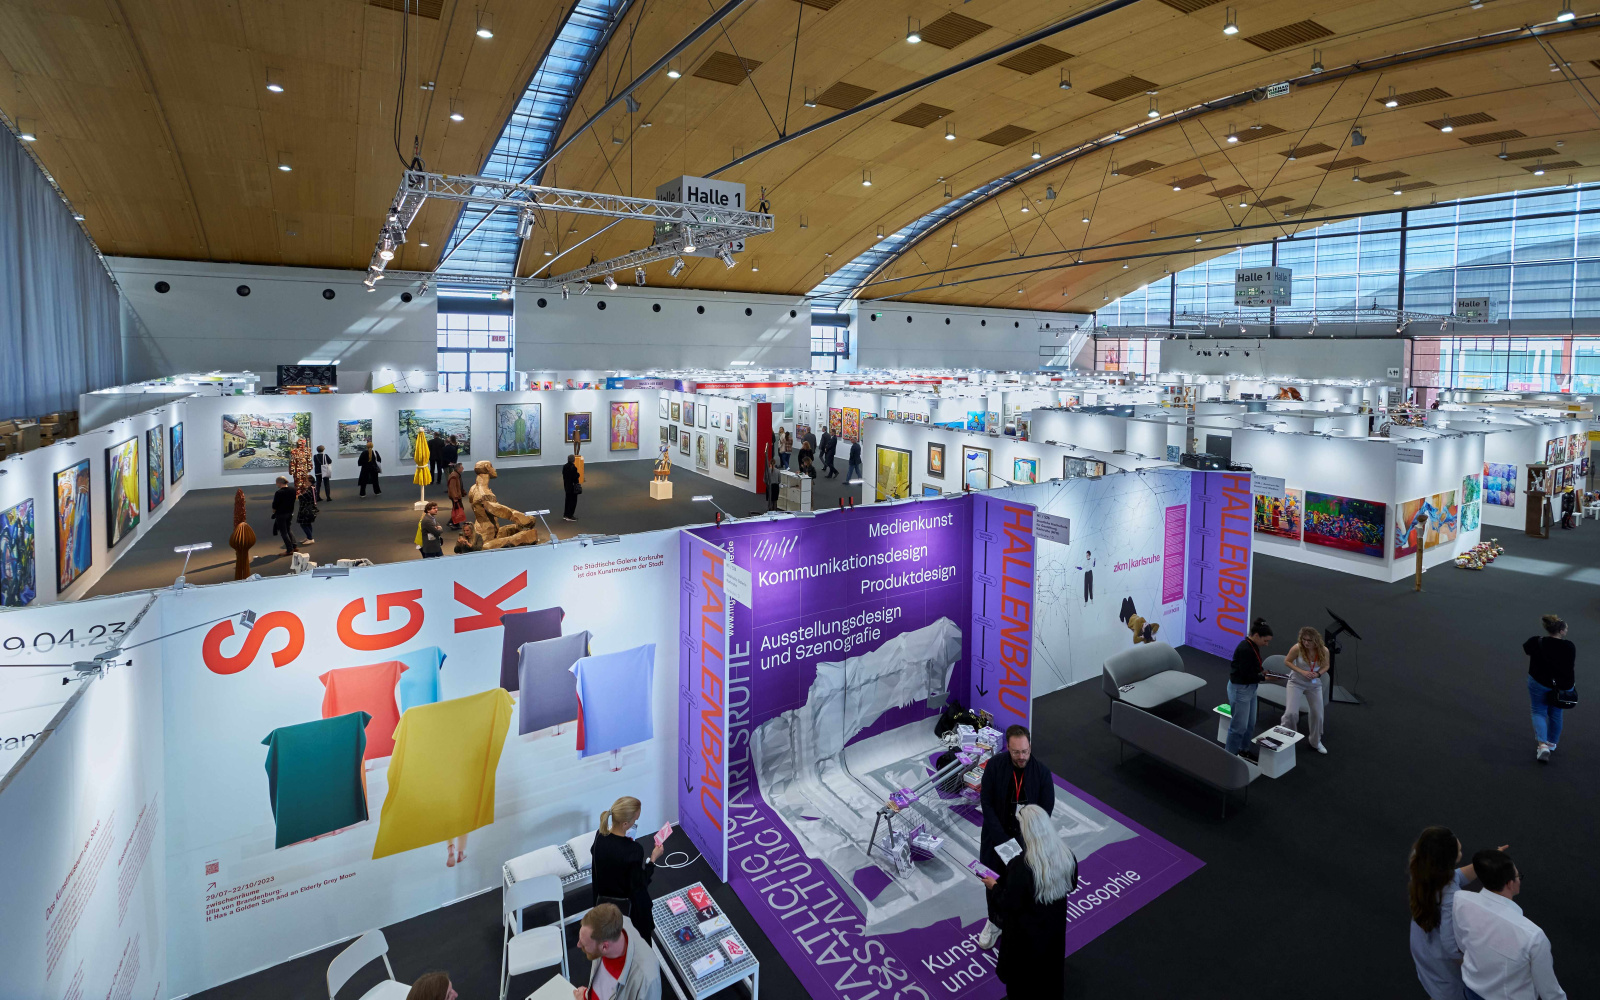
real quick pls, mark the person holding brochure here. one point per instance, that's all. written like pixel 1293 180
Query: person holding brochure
pixel 622 872
pixel 1308 661
pixel 1009 781
pixel 1033 897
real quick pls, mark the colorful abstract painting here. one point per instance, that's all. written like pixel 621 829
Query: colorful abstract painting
pixel 1500 484
pixel 836 420
pixel 1408 526
pixel 625 426
pixel 445 423
pixel 155 466
pixel 1555 451
pixel 1024 471
pixel 175 459
pixel 688 412
pixel 1445 521
pixel 975 468
pixel 892 474
pixel 122 490
pixel 518 429
pixel 1469 490
pixel 1469 517
pixel 1279 516
pixel 74 534
pixel 852 424
pixel 722 452
pixel 1345 523
pixel 260 441
pixel 18 566
pixel 936 460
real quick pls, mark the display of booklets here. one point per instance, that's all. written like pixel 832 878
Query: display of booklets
pixel 677 905
pixel 717 923
pixel 1008 850
pixel 708 963
pixel 685 934
pixel 698 897
pixel 1278 737
pixel 734 949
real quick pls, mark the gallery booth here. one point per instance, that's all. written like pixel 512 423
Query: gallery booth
pixel 251 771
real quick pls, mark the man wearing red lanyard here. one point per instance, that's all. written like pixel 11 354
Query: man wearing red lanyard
pixel 1244 676
pixel 1016 779
pixel 624 967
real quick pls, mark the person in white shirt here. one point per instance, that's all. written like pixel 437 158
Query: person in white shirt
pixel 1504 955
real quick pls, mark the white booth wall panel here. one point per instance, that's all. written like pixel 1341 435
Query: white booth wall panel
pixel 1099 431
pixel 1148 437
pixel 999 339
pixel 1286 359
pixel 205 430
pixel 203 324
pixel 31 475
pixel 630 332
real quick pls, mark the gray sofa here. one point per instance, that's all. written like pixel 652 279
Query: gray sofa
pixel 1182 750
pixel 1148 675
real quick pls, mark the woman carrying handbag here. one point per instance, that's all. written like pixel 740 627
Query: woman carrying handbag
pixel 1552 683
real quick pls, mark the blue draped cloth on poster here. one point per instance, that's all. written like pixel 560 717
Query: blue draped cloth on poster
pixel 315 779
pixel 614 696
pixel 549 694
pixel 419 685
pixel 524 627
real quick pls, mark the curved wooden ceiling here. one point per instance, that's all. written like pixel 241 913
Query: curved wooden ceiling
pixel 154 119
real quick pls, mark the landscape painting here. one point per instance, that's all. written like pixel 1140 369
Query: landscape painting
pixel 257 442
pixel 443 423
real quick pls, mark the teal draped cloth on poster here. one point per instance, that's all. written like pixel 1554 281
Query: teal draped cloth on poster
pixel 315 779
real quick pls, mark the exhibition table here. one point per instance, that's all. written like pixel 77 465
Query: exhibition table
pixel 680 956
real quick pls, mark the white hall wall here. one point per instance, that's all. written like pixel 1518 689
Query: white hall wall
pixel 912 335
pixel 1287 358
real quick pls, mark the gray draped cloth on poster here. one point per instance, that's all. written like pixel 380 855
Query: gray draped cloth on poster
pixel 549 690
pixel 521 627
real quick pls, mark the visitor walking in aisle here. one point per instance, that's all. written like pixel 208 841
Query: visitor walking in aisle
pixel 772 480
pixel 1308 664
pixel 830 445
pixel 785 447
pixel 621 868
pixel 431 534
pixel 322 469
pixel 854 472
pixel 807 455
pixel 1504 955
pixel 1033 898
pixel 571 486
pixel 1434 881
pixel 449 454
pixel 283 514
pixel 436 445
pixel 1245 674
pixel 453 490
pixel 623 967
pixel 369 465
pixel 1008 782
pixel 307 514
pixel 1552 681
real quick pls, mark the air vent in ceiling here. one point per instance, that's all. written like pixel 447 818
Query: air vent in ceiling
pixel 951 30
pixel 1032 60
pixel 1193 181
pixel 1504 136
pixel 1558 165
pixel 1462 121
pixel 844 96
pixel 1528 154
pixel 1415 186
pixel 424 8
pixel 1229 192
pixel 1006 135
pixel 1301 152
pixel 1116 90
pixel 1411 97
pixel 1298 33
pixel 822 4
pixel 1392 175
pixel 1138 167
pixel 1302 210
pixel 922 115
pixel 1347 162
pixel 1254 132
pixel 1189 6
pixel 1281 199
pixel 726 68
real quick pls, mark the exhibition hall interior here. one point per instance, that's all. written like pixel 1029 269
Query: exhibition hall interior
pixel 833 499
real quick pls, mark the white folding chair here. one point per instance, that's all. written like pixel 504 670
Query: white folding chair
pixel 362 950
pixel 527 950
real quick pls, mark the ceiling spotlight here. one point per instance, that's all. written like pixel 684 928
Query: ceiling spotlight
pixel 953 243
pixel 1538 169
pixel 1086 218
pixel 386 250
pixel 1197 239
pixel 1233 136
pixel 1503 154
pixel 753 267
pixel 548 252
pixel 566 293
pixel 422 244
pixel 25 130
pixel 638 276
pixel 272 82
pixel 583 289
pixel 1565 14
pixel 866 178
pixel 1176 186
pixel 913 34
pixel 1066 80
pixel 1358 137
pixel 810 101
pixel 1447 127
pixel 1243 203
pixel 283 163
pixel 1392 101
pixel 1036 154
pixel 485 24
pixel 726 257
pixel 1316 60
pixel 455 112
pixel 1124 266
pixel 880 230
pixel 611 283
pixel 1355 175
pixel 1114 169
pixel 948 134
pixel 77 215
pixel 1231 25
pixel 1397 191
pixel 688 238
pixel 673 73
pixel 949 192
pixel 1154 111
pixel 1024 205
pixel 677 267
pixel 1049 193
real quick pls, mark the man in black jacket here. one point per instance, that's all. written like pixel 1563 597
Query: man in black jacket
pixel 283 514
pixel 1244 675
pixel 448 454
pixel 854 471
pixel 1010 780
pixel 830 444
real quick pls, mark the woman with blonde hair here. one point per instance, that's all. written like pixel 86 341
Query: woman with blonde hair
pixel 1308 663
pixel 621 873
pixel 1033 898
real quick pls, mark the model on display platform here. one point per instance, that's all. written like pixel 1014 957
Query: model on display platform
pixel 523 530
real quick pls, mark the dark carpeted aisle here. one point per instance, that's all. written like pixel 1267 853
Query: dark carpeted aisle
pixel 1304 887
pixel 381 527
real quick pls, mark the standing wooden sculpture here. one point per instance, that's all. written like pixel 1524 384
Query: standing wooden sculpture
pixel 486 507
pixel 242 539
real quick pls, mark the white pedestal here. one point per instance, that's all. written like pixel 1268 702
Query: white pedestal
pixel 1224 720
pixel 661 489
pixel 1276 763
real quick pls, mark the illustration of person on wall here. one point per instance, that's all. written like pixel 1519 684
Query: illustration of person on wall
pixel 1128 610
pixel 455 851
pixel 1088 577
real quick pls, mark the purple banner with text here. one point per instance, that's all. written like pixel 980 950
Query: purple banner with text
pixel 702 700
pixel 1002 609
pixel 1220 514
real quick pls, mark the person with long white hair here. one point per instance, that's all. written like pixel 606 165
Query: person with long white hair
pixel 1033 896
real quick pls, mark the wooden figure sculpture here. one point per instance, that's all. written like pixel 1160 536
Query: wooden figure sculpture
pixel 488 532
pixel 664 463
pixel 242 539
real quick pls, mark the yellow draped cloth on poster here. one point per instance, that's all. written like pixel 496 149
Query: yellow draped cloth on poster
pixel 442 773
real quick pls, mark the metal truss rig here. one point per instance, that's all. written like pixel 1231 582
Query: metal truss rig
pixel 679 227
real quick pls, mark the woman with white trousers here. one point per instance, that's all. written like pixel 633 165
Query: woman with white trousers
pixel 1307 662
